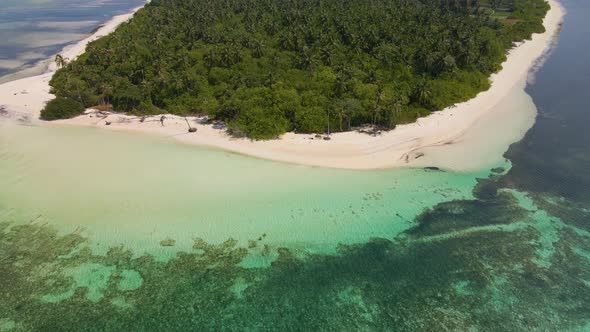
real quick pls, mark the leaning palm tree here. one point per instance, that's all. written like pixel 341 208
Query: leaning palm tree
pixel 191 129
pixel 60 61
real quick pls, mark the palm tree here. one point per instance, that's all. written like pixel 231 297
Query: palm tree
pixel 423 92
pixel 272 28
pixel 343 77
pixel 178 84
pixel 60 61
pixel 236 55
pixel 226 56
pixel 307 59
pixel 287 41
pixel 351 106
pixel 326 54
pixel 395 108
pixel 270 80
pixel 340 111
pixel 328 111
pixel 105 92
pixel 258 49
pixel 345 109
pixel 210 58
pixel 379 107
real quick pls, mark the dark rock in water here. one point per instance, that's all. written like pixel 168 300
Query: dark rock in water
pixel 108 123
pixel 498 170
pixel 168 243
pixel 192 130
pixel 327 138
pixel 318 136
pixel 432 168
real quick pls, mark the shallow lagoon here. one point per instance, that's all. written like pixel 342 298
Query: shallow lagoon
pixel 111 230
pixel 270 246
pixel 139 190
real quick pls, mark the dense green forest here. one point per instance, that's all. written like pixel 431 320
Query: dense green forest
pixel 266 67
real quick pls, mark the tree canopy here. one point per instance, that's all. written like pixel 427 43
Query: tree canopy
pixel 270 66
pixel 60 108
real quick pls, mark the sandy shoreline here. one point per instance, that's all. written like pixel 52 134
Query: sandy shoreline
pixel 27 96
pixel 469 136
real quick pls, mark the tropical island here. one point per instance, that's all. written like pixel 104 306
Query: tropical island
pixel 266 68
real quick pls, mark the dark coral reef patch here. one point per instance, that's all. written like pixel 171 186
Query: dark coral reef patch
pixel 488 263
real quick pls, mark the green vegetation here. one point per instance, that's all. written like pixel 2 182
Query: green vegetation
pixel 61 108
pixel 267 67
pixel 466 265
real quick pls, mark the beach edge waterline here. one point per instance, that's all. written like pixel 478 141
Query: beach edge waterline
pixel 402 147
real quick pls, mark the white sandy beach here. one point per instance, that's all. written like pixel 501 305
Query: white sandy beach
pixel 26 97
pixel 468 136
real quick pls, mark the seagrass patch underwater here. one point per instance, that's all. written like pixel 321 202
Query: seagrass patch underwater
pixel 496 262
pixel 153 248
pixel 239 245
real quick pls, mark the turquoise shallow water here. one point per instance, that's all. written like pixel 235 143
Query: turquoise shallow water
pixel 115 231
pixel 103 231
pixel 139 190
